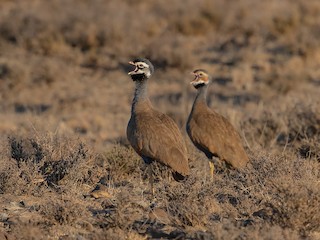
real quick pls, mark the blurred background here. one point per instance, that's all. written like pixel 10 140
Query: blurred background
pixel 63 64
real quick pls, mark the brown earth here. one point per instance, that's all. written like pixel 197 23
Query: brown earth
pixel 66 170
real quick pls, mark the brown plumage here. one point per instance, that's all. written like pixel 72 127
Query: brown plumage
pixel 152 134
pixel 212 133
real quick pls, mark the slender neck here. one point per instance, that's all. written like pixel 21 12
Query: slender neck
pixel 140 94
pixel 200 101
pixel 201 95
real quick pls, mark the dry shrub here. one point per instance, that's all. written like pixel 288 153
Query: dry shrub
pixel 263 130
pixel 297 126
pixel 303 122
pixel 244 203
pixel 121 162
pixel 309 149
pixel 289 190
pixel 275 192
pixel 36 162
pixel 64 212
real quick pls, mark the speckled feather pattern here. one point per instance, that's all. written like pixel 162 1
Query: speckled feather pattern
pixel 210 131
pixel 155 135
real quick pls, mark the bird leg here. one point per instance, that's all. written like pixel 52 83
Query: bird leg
pixel 151 179
pixel 211 165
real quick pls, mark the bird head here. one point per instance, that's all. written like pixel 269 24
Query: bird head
pixel 143 69
pixel 201 78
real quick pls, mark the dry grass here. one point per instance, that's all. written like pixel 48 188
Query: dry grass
pixel 66 170
pixel 276 192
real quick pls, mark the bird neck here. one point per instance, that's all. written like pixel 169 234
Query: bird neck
pixel 201 95
pixel 140 98
pixel 200 102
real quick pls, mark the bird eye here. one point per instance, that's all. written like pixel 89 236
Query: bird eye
pixel 200 74
pixel 140 66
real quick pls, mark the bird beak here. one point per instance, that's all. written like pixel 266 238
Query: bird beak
pixel 196 77
pixel 132 63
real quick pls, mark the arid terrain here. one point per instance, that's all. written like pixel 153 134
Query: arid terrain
pixel 66 168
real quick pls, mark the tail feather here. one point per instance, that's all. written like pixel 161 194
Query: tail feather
pixel 179 177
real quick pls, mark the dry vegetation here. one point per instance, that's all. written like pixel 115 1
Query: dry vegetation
pixel 66 171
